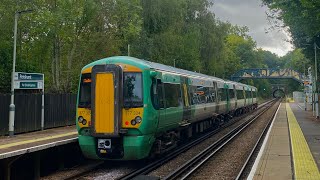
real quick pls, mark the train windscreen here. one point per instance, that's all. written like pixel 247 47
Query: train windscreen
pixel 85 91
pixel 132 90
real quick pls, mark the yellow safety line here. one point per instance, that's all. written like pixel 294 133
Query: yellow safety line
pixel 35 140
pixel 304 165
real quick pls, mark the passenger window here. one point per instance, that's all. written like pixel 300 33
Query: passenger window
pixel 173 95
pixel 201 94
pixel 222 94
pixel 212 94
pixel 240 94
pixel 247 94
pixel 231 93
pixel 193 95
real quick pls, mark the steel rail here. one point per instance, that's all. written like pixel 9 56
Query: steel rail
pixel 255 148
pixel 150 167
pixel 194 163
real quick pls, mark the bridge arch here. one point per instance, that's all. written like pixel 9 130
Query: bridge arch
pixel 276 94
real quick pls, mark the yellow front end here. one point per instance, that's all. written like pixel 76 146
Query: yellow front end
pixel 104 104
pixel 108 113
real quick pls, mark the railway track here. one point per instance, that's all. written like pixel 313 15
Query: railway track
pixel 156 164
pixel 191 166
pixel 250 160
pixel 147 168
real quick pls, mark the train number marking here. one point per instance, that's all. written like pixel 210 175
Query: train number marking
pixel 133 113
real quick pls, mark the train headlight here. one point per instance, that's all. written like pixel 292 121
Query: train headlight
pixel 80 119
pixel 84 122
pixel 133 122
pixel 138 119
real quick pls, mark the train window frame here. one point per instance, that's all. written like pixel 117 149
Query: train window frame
pixel 87 104
pixel 179 98
pixel 231 92
pixel 222 94
pixel 202 99
pixel 248 94
pixel 212 92
pixel 142 94
pixel 240 92
pixel 193 99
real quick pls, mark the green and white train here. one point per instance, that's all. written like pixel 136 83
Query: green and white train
pixel 130 108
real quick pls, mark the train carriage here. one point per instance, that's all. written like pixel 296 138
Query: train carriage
pixel 130 108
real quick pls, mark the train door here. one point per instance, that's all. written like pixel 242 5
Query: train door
pixel 244 96
pixel 217 98
pixel 161 103
pixel 228 99
pixel 186 116
pixel 235 97
pixel 106 94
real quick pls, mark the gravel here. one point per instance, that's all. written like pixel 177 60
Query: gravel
pixel 184 157
pixel 112 170
pixel 227 163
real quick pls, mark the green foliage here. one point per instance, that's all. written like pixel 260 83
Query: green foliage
pixel 61 36
pixel 302 20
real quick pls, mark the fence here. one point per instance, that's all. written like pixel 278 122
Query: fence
pixel 59 110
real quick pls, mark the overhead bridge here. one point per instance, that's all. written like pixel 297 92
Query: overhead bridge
pixel 268 73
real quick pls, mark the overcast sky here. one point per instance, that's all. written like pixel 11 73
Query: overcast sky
pixel 252 14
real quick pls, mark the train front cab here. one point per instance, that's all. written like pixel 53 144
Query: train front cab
pixel 111 113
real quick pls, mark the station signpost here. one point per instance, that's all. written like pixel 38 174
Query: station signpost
pixel 29 81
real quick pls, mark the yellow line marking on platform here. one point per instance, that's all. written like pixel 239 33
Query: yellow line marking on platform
pixel 36 140
pixel 304 165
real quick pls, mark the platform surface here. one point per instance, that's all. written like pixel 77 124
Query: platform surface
pixel 36 141
pixel 310 127
pixel 293 146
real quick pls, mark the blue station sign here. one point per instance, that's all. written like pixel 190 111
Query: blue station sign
pixel 28 80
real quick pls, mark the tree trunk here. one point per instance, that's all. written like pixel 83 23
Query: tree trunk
pixel 57 62
pixel 70 58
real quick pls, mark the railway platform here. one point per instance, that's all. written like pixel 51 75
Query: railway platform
pixel 291 149
pixel 12 148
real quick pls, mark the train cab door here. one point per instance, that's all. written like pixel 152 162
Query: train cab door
pixel 106 94
pixel 160 103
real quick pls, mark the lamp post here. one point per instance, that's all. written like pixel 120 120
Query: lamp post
pixel 12 106
pixel 315 79
pixel 315 105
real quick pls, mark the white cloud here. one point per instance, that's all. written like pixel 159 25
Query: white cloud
pixel 252 14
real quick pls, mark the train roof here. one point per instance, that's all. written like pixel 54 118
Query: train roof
pixel 158 66
pixel 162 67
pixel 152 65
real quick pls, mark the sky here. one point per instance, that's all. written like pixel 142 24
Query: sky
pixel 252 14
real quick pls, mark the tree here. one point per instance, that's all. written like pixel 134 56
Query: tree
pixel 301 20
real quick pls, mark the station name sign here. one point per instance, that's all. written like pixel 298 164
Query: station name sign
pixel 28 80
pixel 28 76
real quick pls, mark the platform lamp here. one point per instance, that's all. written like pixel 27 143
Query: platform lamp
pixel 12 106
pixel 316 78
